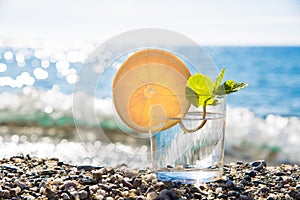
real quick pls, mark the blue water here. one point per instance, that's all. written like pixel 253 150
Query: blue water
pixel 273 75
pixel 271 72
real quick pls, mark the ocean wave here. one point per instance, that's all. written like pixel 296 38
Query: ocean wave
pixel 273 137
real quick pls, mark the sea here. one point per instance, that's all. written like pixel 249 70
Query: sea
pixel 38 77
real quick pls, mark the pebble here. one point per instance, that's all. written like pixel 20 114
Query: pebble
pixel 218 190
pixel 151 195
pixel 65 196
pixel 40 178
pixel 130 172
pixel 82 194
pixel 20 184
pixel 229 184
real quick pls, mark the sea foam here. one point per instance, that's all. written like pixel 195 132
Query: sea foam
pixel 248 136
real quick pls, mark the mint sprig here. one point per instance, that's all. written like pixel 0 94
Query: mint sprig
pixel 201 91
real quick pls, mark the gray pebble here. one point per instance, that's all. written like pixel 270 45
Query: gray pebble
pixel 229 184
pixel 130 172
pixel 264 190
pixel 250 173
pixel 244 197
pixel 20 184
pixel 87 180
pixel 127 184
pixel 87 167
pixel 82 194
pixel 137 182
pixel 68 184
pixel 10 168
pixel 4 194
pixel 295 194
pixel 151 195
pixel 164 195
pixel 174 193
pixel 50 194
pixel 65 196
pixel 140 198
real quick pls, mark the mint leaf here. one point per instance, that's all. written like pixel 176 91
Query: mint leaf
pixel 237 86
pixel 192 97
pixel 201 84
pixel 201 90
pixel 229 87
pixel 202 87
pixel 219 79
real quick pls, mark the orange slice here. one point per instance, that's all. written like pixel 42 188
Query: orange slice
pixel 152 56
pixel 148 90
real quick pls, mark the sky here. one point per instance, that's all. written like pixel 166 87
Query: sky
pixel 208 22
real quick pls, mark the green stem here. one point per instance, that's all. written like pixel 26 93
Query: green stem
pixel 201 125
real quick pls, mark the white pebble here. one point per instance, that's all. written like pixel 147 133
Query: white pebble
pixel 150 177
pixel 218 190
pixel 287 197
pixel 99 197
pixel 151 195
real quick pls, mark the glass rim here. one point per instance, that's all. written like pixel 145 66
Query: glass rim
pixel 184 95
pixel 195 115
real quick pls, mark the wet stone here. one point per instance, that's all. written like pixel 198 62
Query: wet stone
pixel 164 195
pixel 50 194
pixel 244 197
pixel 198 195
pixel 83 194
pixel 295 194
pixel 69 184
pixel 194 189
pixel 140 198
pixel 127 184
pixel 86 180
pixel 87 167
pixel 234 193
pixel 279 173
pixel 137 182
pixel 4 194
pixel 174 193
pixel 20 184
pixel 250 173
pixel 10 168
pixel 65 196
pixel 264 190
pixel 258 165
pixel 48 172
pixel 229 184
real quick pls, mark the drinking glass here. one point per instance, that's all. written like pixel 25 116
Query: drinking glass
pixel 192 151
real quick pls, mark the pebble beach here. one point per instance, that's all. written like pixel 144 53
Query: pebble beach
pixel 28 177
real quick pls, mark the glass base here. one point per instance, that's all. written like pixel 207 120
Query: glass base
pixel 189 177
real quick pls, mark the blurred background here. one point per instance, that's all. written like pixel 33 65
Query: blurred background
pixel 43 45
